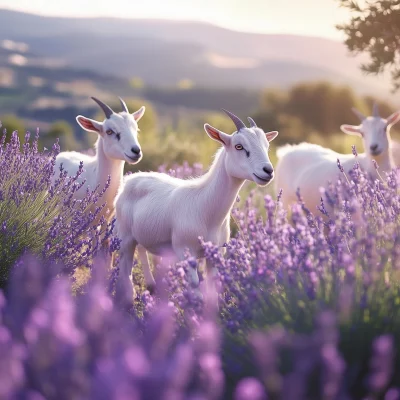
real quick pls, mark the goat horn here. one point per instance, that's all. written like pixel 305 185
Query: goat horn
pixel 375 111
pixel 359 114
pixel 236 120
pixel 107 109
pixel 124 106
pixel 252 123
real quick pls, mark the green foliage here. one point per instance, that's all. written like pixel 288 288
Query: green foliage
pixel 321 105
pixel 12 123
pixel 137 83
pixel 63 131
pixel 374 28
pixel 167 150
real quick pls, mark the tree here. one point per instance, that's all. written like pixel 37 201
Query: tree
pixel 322 106
pixel 374 28
pixel 12 123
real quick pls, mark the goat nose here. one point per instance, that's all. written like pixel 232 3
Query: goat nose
pixel 135 149
pixel 268 169
pixel 373 147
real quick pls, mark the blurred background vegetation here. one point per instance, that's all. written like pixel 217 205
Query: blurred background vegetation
pixel 304 87
pixel 311 111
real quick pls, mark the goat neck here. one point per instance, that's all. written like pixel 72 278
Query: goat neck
pixel 219 190
pixel 108 167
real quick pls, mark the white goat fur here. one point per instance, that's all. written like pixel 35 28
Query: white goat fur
pixel 309 167
pixel 111 153
pixel 396 153
pixel 168 215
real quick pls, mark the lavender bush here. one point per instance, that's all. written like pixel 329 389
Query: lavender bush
pixel 42 217
pixel 57 346
pixel 343 258
pixel 306 307
pixel 285 270
pixel 54 345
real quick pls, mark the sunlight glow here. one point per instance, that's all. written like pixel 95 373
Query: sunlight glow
pixel 306 17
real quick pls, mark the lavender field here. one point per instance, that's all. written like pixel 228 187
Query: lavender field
pixel 200 200
pixel 307 304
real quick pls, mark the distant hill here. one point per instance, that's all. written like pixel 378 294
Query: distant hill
pixel 44 89
pixel 163 53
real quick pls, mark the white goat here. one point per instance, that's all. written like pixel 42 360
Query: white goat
pixel 168 215
pixel 117 142
pixel 309 167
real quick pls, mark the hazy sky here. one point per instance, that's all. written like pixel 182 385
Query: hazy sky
pixel 305 17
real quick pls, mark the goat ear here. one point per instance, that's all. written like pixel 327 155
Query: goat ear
pixel 217 135
pixel 351 129
pixel 89 124
pixel 139 113
pixel 271 135
pixel 394 118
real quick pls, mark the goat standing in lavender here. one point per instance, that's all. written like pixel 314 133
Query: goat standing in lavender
pixel 309 167
pixel 168 215
pixel 117 143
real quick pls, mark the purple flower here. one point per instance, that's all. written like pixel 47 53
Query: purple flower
pixel 250 389
pixel 42 217
pixel 291 311
pixel 381 364
pixel 340 166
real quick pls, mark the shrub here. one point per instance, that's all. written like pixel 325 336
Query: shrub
pixel 57 346
pixel 306 307
pixel 281 272
pixel 332 271
pixel 42 217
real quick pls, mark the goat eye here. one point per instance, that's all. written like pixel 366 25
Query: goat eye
pixel 109 131
pixel 239 147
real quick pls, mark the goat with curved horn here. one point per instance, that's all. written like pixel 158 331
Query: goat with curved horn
pixel 252 123
pixel 124 106
pixel 359 114
pixel 309 167
pixel 375 110
pixel 149 198
pixel 236 120
pixel 107 109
